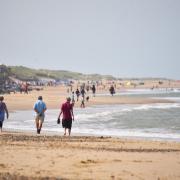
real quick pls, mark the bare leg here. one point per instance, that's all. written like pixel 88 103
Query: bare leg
pixel 37 124
pixel 40 126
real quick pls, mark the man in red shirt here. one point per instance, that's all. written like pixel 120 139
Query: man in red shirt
pixel 68 116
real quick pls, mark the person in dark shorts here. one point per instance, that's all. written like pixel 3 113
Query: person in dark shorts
pixel 3 110
pixel 68 116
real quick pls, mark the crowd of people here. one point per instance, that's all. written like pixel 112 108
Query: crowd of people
pixel 82 94
pixel 40 108
pixel 65 116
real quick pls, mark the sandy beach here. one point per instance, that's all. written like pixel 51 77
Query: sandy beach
pixel 121 58
pixel 55 96
pixel 25 156
pixel 30 156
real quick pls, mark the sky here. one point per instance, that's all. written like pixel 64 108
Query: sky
pixel 123 38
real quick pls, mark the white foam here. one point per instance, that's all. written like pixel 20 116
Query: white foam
pixel 158 106
pixel 97 120
pixel 176 99
pixel 131 133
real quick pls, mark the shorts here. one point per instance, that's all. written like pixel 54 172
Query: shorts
pixel 1 116
pixel 67 123
pixel 40 118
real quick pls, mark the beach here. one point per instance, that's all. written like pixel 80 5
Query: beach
pixel 54 96
pixel 25 155
pixel 89 90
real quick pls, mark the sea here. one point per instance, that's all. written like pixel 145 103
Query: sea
pixel 159 121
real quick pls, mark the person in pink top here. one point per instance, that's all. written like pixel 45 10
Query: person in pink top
pixel 68 116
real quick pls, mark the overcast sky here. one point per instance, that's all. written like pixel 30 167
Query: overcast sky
pixel 124 38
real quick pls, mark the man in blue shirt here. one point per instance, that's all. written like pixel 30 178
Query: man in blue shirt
pixel 39 108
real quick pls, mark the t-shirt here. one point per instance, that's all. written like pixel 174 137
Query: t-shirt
pixel 2 107
pixel 40 106
pixel 66 108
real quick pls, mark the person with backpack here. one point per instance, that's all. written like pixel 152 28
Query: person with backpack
pixel 3 110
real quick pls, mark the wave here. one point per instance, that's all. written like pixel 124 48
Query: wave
pixel 176 99
pixel 160 134
pixel 158 106
pixel 106 112
pixel 110 120
pixel 135 133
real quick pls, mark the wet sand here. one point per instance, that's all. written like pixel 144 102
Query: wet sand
pixel 26 156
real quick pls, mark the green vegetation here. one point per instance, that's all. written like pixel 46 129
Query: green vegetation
pixel 24 73
pixel 4 72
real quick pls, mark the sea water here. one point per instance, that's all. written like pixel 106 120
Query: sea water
pixel 154 121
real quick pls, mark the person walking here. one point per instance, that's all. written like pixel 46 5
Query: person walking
pixel 73 98
pixel 112 90
pixel 68 116
pixel 3 110
pixel 83 92
pixel 93 90
pixel 77 94
pixel 39 108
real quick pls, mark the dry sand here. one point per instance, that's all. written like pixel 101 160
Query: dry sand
pixel 55 96
pixel 26 156
pixel 56 157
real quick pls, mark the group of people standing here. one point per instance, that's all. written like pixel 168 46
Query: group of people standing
pixel 82 93
pixel 66 110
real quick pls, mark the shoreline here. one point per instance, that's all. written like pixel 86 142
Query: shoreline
pixel 29 136
pixel 129 134
pixel 85 134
